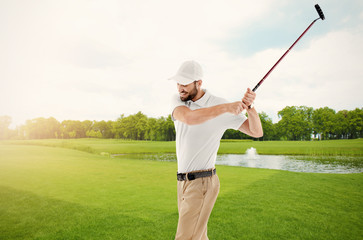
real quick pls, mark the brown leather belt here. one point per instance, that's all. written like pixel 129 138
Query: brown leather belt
pixel 194 175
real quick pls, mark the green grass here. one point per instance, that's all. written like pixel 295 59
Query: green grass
pixel 60 193
pixel 114 146
pixel 312 148
pixel 54 193
pixel 111 146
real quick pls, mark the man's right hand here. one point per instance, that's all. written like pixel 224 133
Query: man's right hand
pixel 236 107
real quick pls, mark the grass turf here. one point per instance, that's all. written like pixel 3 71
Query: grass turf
pixel 57 193
pixel 114 146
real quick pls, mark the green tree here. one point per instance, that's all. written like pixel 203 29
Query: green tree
pixel 128 127
pixel 73 129
pixel 355 118
pixel 131 127
pixel 169 129
pixel 140 125
pixel 117 127
pixel 267 126
pixel 105 128
pixel 295 123
pixel 94 134
pixel 324 120
pixel 42 128
pixel 161 129
pixel 87 126
pixel 342 124
pixel 152 130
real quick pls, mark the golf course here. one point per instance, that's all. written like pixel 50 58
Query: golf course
pixel 76 189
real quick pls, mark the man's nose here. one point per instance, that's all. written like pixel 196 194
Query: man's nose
pixel 180 88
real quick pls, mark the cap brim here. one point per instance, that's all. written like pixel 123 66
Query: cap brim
pixel 181 80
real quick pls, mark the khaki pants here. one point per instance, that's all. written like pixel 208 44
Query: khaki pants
pixel 195 203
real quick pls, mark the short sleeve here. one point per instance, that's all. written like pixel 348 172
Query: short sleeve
pixel 230 121
pixel 234 121
pixel 175 102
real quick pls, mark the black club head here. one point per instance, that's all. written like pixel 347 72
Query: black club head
pixel 320 12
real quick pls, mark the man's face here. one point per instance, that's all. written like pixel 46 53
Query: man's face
pixel 187 92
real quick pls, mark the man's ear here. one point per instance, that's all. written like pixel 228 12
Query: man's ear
pixel 199 83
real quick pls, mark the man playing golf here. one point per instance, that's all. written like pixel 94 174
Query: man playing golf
pixel 200 120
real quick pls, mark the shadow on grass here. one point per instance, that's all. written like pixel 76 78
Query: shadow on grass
pixel 24 215
pixel 291 206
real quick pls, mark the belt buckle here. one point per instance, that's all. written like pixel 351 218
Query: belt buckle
pixel 191 177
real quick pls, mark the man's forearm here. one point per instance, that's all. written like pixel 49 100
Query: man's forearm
pixel 199 116
pixel 254 121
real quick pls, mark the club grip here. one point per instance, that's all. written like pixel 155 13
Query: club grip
pixel 320 12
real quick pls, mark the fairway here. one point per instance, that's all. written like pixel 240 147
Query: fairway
pixel 117 146
pixel 59 193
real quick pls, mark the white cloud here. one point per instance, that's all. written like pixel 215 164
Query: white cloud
pixel 326 73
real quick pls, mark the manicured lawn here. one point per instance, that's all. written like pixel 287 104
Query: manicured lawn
pixel 59 193
pixel 313 148
pixel 114 146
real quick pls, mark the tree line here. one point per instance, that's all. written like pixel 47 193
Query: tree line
pixel 306 123
pixel 295 123
pixel 137 127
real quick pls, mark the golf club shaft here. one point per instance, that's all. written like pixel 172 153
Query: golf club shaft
pixel 268 73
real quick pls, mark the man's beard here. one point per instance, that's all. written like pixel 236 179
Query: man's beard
pixel 191 95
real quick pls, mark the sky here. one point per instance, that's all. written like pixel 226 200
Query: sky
pixel 95 60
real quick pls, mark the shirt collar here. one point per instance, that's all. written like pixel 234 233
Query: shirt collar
pixel 203 100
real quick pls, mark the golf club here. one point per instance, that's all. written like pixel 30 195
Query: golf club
pixel 321 16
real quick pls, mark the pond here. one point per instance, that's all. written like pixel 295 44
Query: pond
pixel 313 164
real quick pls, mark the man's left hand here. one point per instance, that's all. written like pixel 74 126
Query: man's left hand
pixel 249 97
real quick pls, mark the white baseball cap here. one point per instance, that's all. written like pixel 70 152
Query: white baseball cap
pixel 188 72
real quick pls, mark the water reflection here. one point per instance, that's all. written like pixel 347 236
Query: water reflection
pixel 320 164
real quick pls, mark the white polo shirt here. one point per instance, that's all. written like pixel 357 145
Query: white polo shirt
pixel 197 145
